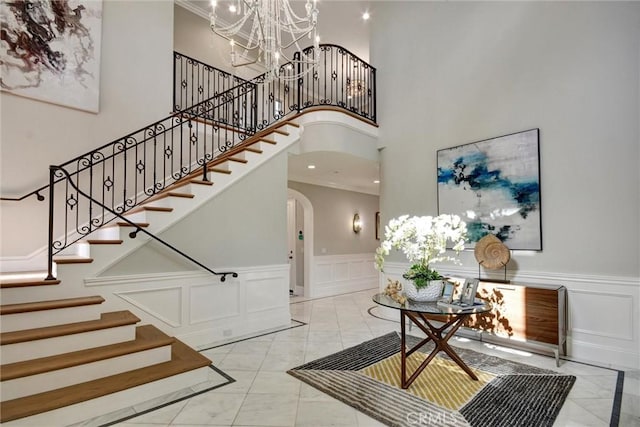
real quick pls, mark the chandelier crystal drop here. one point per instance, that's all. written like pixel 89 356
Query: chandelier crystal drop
pixel 269 32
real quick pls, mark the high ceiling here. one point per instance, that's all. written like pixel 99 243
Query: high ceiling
pixel 339 22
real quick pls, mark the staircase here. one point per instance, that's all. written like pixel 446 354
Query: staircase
pixel 70 354
pixel 65 358
pixel 57 355
pixel 112 242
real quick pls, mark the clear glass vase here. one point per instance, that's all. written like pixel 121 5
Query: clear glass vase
pixel 431 292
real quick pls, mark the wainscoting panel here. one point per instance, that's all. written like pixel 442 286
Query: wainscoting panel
pixel 585 321
pixel 603 312
pixel 211 301
pixel 197 307
pixel 267 293
pixel 341 271
pixel 339 274
pixel 163 303
pixel 323 272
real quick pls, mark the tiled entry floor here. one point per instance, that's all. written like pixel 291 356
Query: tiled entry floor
pixel 263 394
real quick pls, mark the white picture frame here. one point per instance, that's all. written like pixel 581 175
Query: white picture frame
pixel 468 294
pixel 448 291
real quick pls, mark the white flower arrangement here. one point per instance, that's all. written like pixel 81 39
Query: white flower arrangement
pixel 423 240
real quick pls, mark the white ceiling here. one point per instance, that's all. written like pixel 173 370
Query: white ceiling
pixel 335 170
pixel 339 22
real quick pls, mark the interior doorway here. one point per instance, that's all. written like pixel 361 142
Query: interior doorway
pixel 300 243
pixel 295 269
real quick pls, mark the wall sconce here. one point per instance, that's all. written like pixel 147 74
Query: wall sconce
pixel 357 223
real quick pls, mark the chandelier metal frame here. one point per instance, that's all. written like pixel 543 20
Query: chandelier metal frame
pixel 265 31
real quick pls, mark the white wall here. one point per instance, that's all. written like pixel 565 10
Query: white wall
pixel 488 69
pixel 243 226
pixel 338 23
pixel 135 90
pixel 194 38
pixel 333 212
pixel 484 69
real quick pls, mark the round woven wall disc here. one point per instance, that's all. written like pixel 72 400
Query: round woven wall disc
pixel 491 253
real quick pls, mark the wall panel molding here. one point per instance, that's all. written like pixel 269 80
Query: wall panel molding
pixel 339 274
pixel 199 309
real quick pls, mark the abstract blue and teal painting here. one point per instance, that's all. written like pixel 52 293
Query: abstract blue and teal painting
pixel 494 185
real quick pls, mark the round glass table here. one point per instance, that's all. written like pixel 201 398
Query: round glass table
pixel 423 315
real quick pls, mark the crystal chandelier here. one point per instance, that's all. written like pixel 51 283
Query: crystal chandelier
pixel 266 32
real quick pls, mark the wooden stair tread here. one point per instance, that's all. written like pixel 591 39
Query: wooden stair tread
pixel 50 305
pixel 295 125
pixel 236 159
pixel 280 131
pixel 147 337
pixel 253 150
pixel 26 283
pixel 143 208
pixel 136 224
pixel 219 170
pixel 72 260
pixel 107 320
pixel 200 182
pixel 183 195
pixel 190 179
pixel 104 242
pixel 268 141
pixel 164 194
pixel 183 359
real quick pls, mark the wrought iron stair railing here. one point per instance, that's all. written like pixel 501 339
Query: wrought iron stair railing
pixel 340 79
pixel 138 229
pixel 91 190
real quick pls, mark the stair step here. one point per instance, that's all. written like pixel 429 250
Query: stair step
pixel 27 283
pixel 20 379
pixel 281 132
pixel 109 328
pixel 150 209
pixel 107 320
pixel 199 182
pixel 68 259
pixel 165 194
pixel 253 150
pixel 147 336
pixel 183 359
pixel 49 305
pixel 268 141
pixel 190 180
pixel 135 224
pixel 105 242
pixel 219 170
pixel 30 315
pixel 183 195
pixel 236 159
pixel 295 125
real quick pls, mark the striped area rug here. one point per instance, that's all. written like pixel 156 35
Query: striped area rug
pixel 508 393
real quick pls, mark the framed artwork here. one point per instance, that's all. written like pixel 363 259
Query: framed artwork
pixel 447 292
pixel 50 51
pixel 377 225
pixel 494 186
pixel 468 294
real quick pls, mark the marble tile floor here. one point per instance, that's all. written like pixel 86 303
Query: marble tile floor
pixel 263 394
